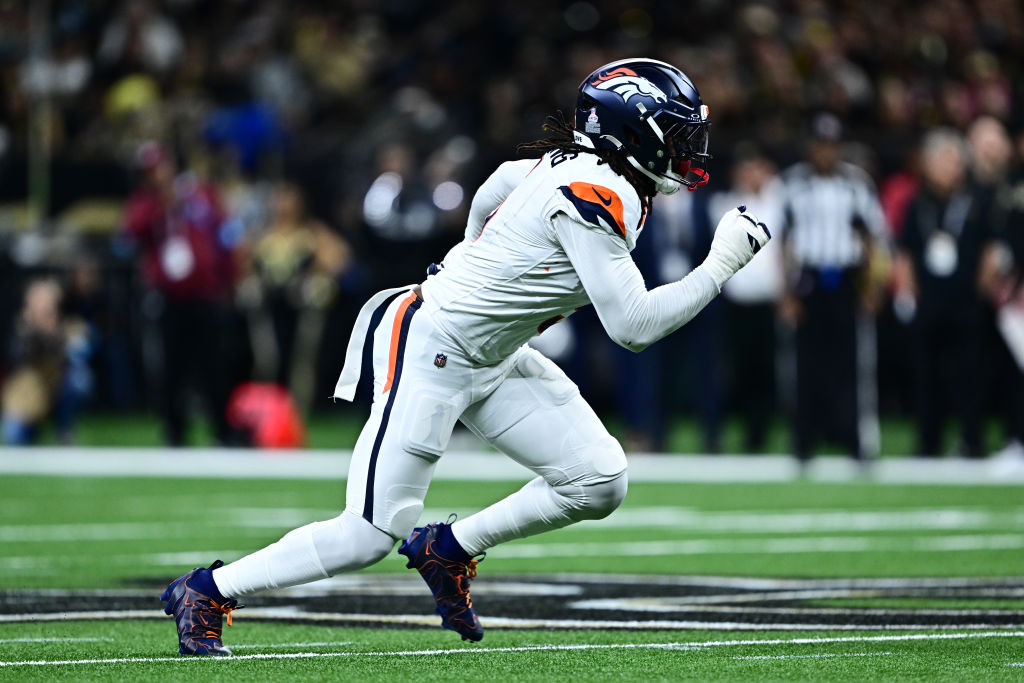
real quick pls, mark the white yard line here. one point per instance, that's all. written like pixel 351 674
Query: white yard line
pixel 35 563
pixel 823 655
pixel 768 583
pixel 273 646
pixel 209 463
pixel 92 615
pixel 748 589
pixel 779 546
pixel 639 517
pixel 649 605
pixel 5 641
pixel 92 531
pixel 692 645
pixel 909 590
pixel 520 551
pixel 789 521
pixel 569 584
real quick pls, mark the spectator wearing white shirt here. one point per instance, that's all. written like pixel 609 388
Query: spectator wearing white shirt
pixel 753 295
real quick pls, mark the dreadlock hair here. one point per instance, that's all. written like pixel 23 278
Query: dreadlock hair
pixel 562 139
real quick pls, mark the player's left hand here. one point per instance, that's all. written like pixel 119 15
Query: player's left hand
pixel 738 236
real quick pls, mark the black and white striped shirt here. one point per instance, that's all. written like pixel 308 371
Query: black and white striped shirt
pixel 824 215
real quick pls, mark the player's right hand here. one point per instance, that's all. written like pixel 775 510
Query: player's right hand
pixel 738 236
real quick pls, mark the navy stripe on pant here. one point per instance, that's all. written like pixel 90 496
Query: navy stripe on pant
pixel 366 373
pixel 403 334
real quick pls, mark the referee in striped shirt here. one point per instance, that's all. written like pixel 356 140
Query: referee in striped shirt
pixel 832 221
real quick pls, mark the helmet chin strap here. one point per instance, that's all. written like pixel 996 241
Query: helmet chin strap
pixel 664 184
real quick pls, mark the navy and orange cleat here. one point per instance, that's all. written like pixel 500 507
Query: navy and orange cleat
pixel 198 615
pixel 448 580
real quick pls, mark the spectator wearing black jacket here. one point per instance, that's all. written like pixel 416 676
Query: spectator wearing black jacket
pixel 940 247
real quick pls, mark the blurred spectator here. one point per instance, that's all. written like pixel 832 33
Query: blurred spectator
pixel 1001 280
pixel 353 96
pixel 940 247
pixel 139 38
pixel 752 295
pixel 990 153
pixel 404 223
pixel 187 261
pixel 87 298
pixel 296 262
pixel 49 359
pixel 833 222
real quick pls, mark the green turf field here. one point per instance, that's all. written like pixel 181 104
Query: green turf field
pixel 322 653
pixel 798 580
pixel 338 427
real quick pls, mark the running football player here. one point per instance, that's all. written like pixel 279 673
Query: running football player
pixel 544 237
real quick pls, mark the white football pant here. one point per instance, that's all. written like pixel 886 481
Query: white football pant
pixel 525 406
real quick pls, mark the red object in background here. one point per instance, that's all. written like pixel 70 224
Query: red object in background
pixel 896 194
pixel 268 414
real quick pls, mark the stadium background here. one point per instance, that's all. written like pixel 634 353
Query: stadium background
pixel 385 115
pixel 249 96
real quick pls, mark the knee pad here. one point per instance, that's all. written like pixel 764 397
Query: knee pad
pixel 348 542
pixel 600 487
pixel 606 497
pixel 608 460
pixel 593 501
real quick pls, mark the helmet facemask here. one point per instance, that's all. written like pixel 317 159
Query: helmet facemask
pixel 686 144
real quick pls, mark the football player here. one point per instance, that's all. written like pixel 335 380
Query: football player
pixel 544 237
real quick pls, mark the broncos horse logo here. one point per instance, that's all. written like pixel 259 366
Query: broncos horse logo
pixel 626 83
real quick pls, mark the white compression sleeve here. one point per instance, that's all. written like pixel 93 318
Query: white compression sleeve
pixel 493 192
pixel 315 551
pixel 489 197
pixel 634 317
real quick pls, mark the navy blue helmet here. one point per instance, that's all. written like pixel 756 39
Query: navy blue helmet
pixel 651 112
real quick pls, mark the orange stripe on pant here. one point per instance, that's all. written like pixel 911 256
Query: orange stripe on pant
pixel 396 329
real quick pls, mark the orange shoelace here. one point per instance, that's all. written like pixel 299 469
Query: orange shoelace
pixel 225 609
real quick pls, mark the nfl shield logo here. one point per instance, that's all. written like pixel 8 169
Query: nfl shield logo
pixel 440 360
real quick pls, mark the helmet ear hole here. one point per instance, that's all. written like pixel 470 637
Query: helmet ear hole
pixel 632 137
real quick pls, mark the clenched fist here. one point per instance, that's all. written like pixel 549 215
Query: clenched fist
pixel 738 236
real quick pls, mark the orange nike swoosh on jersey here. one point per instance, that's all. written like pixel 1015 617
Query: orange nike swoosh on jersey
pixel 606 202
pixel 611 207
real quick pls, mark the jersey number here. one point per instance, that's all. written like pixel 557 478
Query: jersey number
pixel 560 155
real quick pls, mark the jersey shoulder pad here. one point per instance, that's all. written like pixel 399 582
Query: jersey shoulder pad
pixel 601 198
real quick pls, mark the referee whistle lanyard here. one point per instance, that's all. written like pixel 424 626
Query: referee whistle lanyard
pixel 940 235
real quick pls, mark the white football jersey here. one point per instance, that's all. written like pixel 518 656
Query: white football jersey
pixel 511 278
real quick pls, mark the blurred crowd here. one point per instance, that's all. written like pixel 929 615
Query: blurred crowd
pixel 199 195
